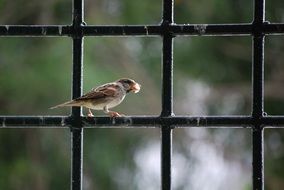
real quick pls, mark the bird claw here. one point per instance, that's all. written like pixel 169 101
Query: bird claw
pixel 90 115
pixel 115 114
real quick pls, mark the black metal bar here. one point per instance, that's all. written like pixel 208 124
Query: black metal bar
pixel 78 13
pixel 141 121
pixel 167 59
pixel 167 94
pixel 175 29
pixel 34 30
pixel 259 11
pixel 258 94
pixel 77 159
pixel 258 162
pixel 76 119
pixel 168 9
pixel 76 124
pixel 258 75
pixel 273 29
pixel 125 30
pixel 167 88
pixel 166 152
pixel 77 73
pixel 139 30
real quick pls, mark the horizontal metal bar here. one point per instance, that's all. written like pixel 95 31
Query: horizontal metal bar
pixel 32 121
pixel 139 30
pixel 212 29
pixel 273 28
pixel 35 30
pixel 129 30
pixel 142 121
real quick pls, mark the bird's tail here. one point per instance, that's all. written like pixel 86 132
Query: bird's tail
pixel 70 103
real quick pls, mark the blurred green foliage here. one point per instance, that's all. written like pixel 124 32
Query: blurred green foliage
pixel 212 75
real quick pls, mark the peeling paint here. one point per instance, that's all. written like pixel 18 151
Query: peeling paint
pixel 4 122
pixel 146 28
pixel 62 122
pixel 113 120
pixel 41 120
pixel 198 121
pixel 200 28
pixel 60 30
pixel 43 31
pixel 123 32
pixel 128 121
pixel 7 27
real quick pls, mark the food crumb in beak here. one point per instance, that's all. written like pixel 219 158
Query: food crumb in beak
pixel 136 87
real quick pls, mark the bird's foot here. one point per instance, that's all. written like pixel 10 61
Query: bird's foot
pixel 115 114
pixel 90 114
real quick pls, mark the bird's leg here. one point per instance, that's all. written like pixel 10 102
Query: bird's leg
pixel 90 114
pixel 111 113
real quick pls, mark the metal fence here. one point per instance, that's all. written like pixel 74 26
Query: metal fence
pixel 167 121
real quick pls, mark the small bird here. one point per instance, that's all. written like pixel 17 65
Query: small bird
pixel 105 96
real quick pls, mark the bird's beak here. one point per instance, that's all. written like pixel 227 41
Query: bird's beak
pixel 135 88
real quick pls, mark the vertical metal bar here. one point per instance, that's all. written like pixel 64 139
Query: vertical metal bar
pixel 78 12
pixel 167 110
pixel 258 57
pixel 167 95
pixel 77 161
pixel 167 88
pixel 166 151
pixel 258 95
pixel 258 76
pixel 259 11
pixel 167 58
pixel 257 131
pixel 257 144
pixel 168 7
pixel 76 128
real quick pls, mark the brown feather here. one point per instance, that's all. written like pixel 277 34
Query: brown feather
pixel 70 103
pixel 97 95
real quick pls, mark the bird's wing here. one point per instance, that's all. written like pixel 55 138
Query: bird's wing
pixel 101 92
pixel 105 86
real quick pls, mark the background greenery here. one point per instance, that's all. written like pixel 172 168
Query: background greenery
pixel 212 76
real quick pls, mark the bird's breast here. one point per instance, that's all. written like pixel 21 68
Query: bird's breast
pixel 115 102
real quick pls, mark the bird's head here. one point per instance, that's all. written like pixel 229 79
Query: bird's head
pixel 129 85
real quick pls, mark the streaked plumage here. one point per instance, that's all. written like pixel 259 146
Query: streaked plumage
pixel 105 96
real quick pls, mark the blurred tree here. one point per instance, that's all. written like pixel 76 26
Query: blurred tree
pixel 212 76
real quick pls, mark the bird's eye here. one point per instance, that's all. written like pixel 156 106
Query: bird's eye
pixel 126 85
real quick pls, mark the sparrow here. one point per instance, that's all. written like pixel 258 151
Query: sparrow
pixel 104 97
